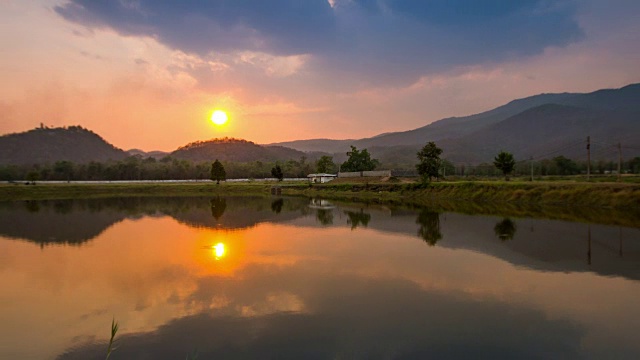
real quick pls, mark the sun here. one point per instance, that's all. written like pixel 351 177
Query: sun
pixel 219 117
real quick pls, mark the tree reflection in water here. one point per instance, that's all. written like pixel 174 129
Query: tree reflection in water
pixel 358 218
pixel 429 230
pixel 276 206
pixel 505 229
pixel 218 205
pixel 325 216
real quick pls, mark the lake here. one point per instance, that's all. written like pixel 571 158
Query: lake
pixel 298 278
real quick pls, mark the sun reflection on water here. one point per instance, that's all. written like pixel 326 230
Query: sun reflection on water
pixel 218 251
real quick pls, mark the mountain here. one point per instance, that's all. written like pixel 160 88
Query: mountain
pixel 533 126
pixel 147 154
pixel 236 150
pixel 442 129
pixel 48 145
pixel 548 129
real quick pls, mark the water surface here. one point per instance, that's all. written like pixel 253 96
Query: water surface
pixel 241 277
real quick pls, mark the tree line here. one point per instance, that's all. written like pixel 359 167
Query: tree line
pixel 429 165
pixel 139 168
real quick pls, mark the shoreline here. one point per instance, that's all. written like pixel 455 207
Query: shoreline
pixel 608 195
pixel 605 203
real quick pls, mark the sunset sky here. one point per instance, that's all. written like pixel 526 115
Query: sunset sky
pixel 148 73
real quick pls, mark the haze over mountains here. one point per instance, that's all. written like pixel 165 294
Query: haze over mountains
pixel 540 126
pixel 532 126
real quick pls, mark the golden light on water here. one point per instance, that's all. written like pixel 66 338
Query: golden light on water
pixel 218 250
pixel 219 117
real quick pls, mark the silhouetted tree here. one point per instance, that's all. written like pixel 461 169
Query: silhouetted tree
pixel 217 172
pixel 63 169
pixel 565 166
pixel 429 162
pixel 325 165
pixel 33 176
pixel 504 162
pixel 634 165
pixel 505 229
pixel 429 230
pixel 218 206
pixel 359 160
pixel 277 173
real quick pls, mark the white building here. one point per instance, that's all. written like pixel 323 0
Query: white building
pixel 321 178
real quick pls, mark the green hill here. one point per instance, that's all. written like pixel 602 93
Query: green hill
pixel 234 150
pixel 47 145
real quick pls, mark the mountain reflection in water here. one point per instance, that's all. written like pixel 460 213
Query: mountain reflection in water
pixel 256 277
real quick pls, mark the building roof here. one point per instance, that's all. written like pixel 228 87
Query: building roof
pixel 322 175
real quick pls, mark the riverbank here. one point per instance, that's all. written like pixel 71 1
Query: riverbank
pixel 606 195
pixel 612 195
pixel 45 191
pixel 604 203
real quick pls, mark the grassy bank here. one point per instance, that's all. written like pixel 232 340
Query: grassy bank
pixel 607 195
pixel 42 191
pixel 498 192
pixel 604 203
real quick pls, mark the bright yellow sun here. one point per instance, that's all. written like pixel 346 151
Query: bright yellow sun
pixel 219 117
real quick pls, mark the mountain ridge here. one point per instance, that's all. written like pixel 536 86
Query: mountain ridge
pixel 454 127
pixel 527 127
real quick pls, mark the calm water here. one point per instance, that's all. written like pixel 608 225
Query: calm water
pixel 301 279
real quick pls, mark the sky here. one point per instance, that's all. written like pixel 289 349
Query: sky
pixel 147 74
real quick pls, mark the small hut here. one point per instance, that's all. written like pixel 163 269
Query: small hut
pixel 321 178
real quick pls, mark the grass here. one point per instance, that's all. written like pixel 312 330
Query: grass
pixel 42 191
pixel 114 331
pixel 602 194
pixel 621 195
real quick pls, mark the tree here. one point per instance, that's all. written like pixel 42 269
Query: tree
pixel 430 162
pixel 33 176
pixel 325 165
pixel 565 166
pixel 63 170
pixel 217 172
pixel 634 165
pixel 505 163
pixel 359 160
pixel 277 173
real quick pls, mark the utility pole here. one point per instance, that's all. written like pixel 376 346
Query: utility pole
pixel 531 162
pixel 619 161
pixel 588 157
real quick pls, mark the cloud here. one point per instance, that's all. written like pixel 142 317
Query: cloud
pixel 374 318
pixel 221 26
pixel 361 41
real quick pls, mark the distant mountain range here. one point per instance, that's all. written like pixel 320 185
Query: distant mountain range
pixel 146 154
pixel 534 126
pixel 540 126
pixel 47 145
